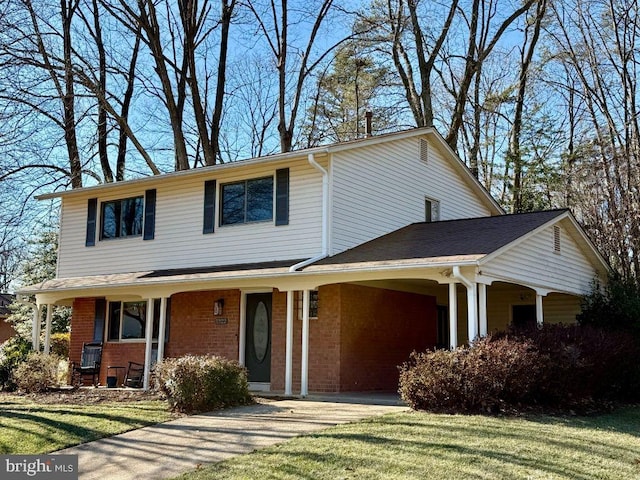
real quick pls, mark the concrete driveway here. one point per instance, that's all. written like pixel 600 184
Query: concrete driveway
pixel 169 449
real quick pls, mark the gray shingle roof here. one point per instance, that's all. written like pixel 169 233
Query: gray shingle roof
pixel 474 236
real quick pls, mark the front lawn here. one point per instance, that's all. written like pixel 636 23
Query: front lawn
pixel 43 424
pixel 423 445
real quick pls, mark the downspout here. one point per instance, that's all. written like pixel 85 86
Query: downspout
pixel 325 216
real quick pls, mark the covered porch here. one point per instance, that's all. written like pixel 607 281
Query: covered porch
pixel 458 304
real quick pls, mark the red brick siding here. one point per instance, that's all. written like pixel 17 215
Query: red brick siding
pixel 6 330
pixel 324 343
pixel 278 339
pixel 194 328
pixel 82 328
pixel 379 329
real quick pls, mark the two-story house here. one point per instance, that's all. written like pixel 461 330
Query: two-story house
pixel 319 270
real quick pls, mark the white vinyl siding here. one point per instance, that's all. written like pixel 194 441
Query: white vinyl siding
pixel 179 241
pixel 383 187
pixel 535 262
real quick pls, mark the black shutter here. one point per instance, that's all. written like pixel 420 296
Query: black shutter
pixel 209 206
pixel 282 196
pixel 92 210
pixel 149 214
pixel 98 319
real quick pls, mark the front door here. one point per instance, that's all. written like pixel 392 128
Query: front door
pixel 257 354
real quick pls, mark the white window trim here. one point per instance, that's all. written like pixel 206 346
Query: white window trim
pixel 108 323
pixel 435 209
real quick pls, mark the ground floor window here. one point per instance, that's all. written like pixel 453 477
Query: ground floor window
pixel 128 320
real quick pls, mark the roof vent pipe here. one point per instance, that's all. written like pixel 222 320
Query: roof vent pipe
pixel 368 115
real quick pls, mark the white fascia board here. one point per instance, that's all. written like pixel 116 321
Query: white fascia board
pixel 133 285
pixel 524 237
pixel 194 172
pixel 592 250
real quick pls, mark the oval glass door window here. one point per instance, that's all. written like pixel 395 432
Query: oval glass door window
pixel 261 332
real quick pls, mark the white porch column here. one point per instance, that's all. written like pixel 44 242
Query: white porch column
pixel 304 376
pixel 539 310
pixel 453 316
pixel 482 309
pixel 35 329
pixel 47 330
pixel 472 311
pixel 161 328
pixel 288 363
pixel 147 345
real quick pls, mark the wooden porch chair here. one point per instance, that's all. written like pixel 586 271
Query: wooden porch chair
pixel 90 361
pixel 135 375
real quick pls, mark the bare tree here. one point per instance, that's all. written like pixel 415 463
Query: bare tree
pixel 602 56
pixel 274 23
pixel 514 155
pixel 56 71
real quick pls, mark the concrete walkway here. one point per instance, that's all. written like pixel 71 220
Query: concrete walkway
pixel 169 449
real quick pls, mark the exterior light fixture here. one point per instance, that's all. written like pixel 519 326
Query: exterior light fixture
pixel 218 306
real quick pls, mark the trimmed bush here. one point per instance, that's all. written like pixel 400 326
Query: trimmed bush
pixel 202 383
pixel 490 376
pixel 38 373
pixel 12 353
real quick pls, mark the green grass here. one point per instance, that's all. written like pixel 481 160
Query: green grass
pixel 421 445
pixel 29 427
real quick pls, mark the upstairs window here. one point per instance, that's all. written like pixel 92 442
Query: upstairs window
pixel 122 218
pixel 431 210
pixel 247 201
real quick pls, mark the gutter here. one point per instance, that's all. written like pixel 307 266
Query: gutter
pixel 325 216
pixel 455 272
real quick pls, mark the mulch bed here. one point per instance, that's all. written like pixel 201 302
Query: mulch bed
pixel 87 395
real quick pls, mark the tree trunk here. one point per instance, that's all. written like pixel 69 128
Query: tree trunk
pixel 68 8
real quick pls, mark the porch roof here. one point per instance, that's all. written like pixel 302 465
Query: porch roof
pixel 467 238
pixel 158 277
